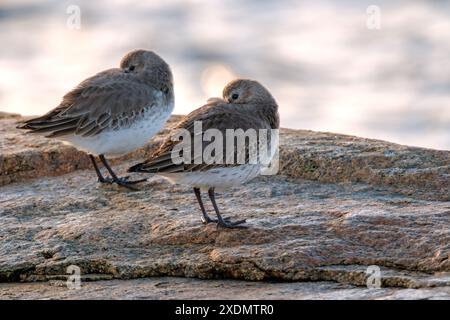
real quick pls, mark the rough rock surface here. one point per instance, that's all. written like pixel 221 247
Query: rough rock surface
pixel 340 204
pixel 158 288
pixel 25 156
pixel 333 158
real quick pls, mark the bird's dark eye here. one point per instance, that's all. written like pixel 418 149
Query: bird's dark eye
pixel 131 68
pixel 165 90
pixel 234 96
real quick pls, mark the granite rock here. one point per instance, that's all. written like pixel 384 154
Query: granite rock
pixel 161 288
pixel 339 205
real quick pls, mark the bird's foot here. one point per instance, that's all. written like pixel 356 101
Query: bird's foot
pixel 125 179
pixel 226 223
pixel 124 182
pixel 105 180
pixel 210 220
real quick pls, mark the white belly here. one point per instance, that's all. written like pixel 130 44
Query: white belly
pixel 215 178
pixel 222 178
pixel 114 143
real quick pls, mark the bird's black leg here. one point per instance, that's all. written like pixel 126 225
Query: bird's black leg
pixel 223 222
pixel 120 181
pixel 101 179
pixel 205 218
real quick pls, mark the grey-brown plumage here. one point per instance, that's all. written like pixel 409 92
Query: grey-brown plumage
pixel 246 104
pixel 255 108
pixel 113 112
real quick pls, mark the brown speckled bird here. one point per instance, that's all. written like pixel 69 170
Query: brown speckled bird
pixel 113 112
pixel 246 104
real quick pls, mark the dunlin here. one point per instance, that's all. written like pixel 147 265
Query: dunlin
pixel 246 104
pixel 113 112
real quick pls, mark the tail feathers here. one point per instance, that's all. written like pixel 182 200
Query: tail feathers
pixel 136 168
pixel 30 126
pixel 142 167
pixel 23 125
pixel 157 167
pixel 54 128
pixel 31 123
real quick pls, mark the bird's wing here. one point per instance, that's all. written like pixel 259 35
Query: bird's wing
pixel 110 99
pixel 217 115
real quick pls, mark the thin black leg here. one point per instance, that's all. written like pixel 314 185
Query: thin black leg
pixel 105 163
pixel 206 218
pixel 101 179
pixel 120 181
pixel 223 222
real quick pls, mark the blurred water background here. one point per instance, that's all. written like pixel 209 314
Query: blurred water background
pixel 326 68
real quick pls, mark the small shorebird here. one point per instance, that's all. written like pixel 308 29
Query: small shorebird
pixel 246 104
pixel 113 112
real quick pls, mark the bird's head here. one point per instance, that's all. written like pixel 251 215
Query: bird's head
pixel 244 91
pixel 147 64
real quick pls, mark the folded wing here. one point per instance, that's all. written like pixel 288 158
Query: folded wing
pixel 109 100
pixel 217 114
